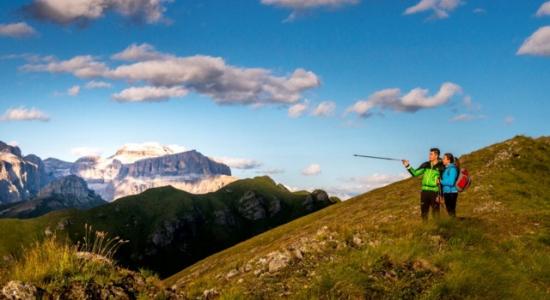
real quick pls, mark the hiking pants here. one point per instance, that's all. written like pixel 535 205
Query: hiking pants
pixel 450 203
pixel 428 199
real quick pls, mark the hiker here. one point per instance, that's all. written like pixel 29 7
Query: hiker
pixel 431 171
pixel 448 183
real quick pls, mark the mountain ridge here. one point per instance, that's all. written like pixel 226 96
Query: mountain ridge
pixel 169 228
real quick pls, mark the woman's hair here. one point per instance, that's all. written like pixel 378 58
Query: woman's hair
pixel 452 159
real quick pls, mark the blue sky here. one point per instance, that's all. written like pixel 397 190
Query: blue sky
pixel 231 70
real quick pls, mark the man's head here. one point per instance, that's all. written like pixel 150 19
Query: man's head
pixel 434 154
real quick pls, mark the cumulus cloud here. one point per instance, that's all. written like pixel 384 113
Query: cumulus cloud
pixel 297 110
pixel 354 186
pixel 324 109
pixel 73 91
pixel 24 114
pixel 206 75
pixel 83 11
pixel 86 151
pixel 537 44
pixel 312 170
pixel 299 7
pixel 413 101
pixel 239 163
pixel 149 94
pixel 94 84
pixel 83 66
pixel 226 84
pixel 137 52
pixel 16 30
pixel 544 9
pixel 440 8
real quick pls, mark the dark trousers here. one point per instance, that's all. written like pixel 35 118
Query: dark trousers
pixel 450 203
pixel 428 199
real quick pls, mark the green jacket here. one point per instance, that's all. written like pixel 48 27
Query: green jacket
pixel 430 175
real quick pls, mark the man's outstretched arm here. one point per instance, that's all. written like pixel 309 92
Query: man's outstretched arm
pixel 414 172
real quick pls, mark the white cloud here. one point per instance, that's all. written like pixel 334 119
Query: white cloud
pixel 537 44
pixel 177 148
pixel 149 94
pixel 16 30
pixel 413 101
pixel 239 163
pixel 544 9
pixel 312 170
pixel 270 171
pixel 73 91
pixel 24 114
pixel 324 109
pixel 297 110
pixel 84 66
pixel 467 117
pixel 136 52
pixel 354 186
pixel 13 143
pixel 509 120
pixel 226 84
pixel 97 85
pixel 298 7
pixel 206 75
pixel 86 151
pixel 82 11
pixel 440 8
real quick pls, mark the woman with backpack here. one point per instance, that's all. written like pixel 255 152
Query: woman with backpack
pixel 448 183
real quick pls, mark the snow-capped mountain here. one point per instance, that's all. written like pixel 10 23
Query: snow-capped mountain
pixel 137 167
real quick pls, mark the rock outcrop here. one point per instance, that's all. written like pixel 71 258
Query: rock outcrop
pixel 21 178
pixel 67 192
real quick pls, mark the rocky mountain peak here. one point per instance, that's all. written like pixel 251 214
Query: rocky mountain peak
pixel 70 186
pixel 130 153
pixel 10 149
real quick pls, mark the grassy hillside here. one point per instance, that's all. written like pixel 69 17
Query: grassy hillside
pixel 375 245
pixel 169 229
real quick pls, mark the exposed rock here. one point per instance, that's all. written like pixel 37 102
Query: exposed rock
pixel 232 273
pixel 17 290
pixel 67 192
pixel 251 206
pixel 20 177
pixel 277 261
pixel 315 199
pixel 135 169
pixel 357 241
pixel 210 294
pixel 274 207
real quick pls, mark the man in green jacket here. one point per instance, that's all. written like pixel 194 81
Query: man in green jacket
pixel 431 173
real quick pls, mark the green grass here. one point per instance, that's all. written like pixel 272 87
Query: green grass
pixel 498 248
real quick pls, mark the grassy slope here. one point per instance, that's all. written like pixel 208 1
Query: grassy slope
pixel 137 218
pixel 498 248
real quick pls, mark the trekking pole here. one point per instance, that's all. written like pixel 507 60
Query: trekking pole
pixel 377 157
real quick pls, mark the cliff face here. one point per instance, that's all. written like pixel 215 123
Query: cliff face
pixel 133 170
pixel 20 177
pixel 190 165
pixel 63 193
